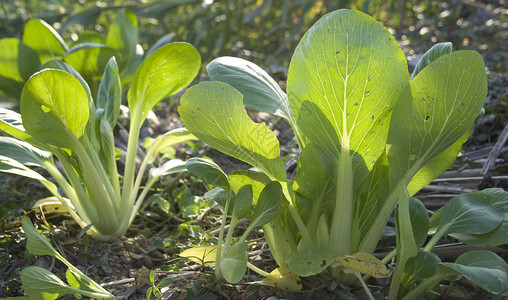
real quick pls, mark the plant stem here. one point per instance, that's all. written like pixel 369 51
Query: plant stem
pixel 257 270
pixel 435 238
pixel 218 257
pixel 130 163
pixel 340 231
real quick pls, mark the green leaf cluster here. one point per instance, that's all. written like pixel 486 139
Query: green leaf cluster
pixel 369 137
pixel 41 46
pixel 60 119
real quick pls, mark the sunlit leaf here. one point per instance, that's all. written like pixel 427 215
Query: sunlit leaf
pixel 13 73
pixel 214 112
pixel 54 105
pixel 41 37
pixel 167 71
pixel 109 96
pixel 204 255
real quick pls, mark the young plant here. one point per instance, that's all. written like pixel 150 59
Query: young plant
pixel 259 204
pixel 369 136
pixel 60 119
pixel 40 283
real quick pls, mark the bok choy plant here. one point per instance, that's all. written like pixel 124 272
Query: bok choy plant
pixel 369 137
pixel 59 119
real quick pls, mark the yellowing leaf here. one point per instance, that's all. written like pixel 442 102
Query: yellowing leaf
pixel 204 255
pixel 283 279
pixel 364 263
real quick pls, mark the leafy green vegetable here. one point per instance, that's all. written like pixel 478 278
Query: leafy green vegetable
pixel 369 137
pixel 59 116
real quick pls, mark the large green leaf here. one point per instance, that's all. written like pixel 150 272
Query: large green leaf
pixel 309 262
pixel 419 221
pixel 54 106
pixel 63 66
pixel 168 70
pixel 214 112
pixel 446 97
pixel 498 236
pixel 344 79
pixel 123 36
pixel 17 63
pixel 12 166
pixel 469 213
pixel 484 268
pixel 41 37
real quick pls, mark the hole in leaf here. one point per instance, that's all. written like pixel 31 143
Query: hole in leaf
pixel 45 108
pixel 427 118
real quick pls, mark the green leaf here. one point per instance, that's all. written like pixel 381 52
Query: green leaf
pixel 259 90
pixel 109 96
pixel 234 264
pixel 419 221
pixel 484 268
pixel 208 171
pixel 309 262
pixel 434 53
pixel 268 205
pixel 36 244
pixel 256 179
pixel 313 187
pixel 123 36
pixel 469 213
pixel 445 99
pixel 22 152
pixel 41 37
pixel 214 112
pixel 418 269
pixel 344 79
pixel 218 195
pixel 498 236
pixel 9 165
pixel 41 284
pixel 54 106
pixel 437 166
pixel 17 63
pixel 167 71
pixel 242 202
pixel 169 167
pixel 60 65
